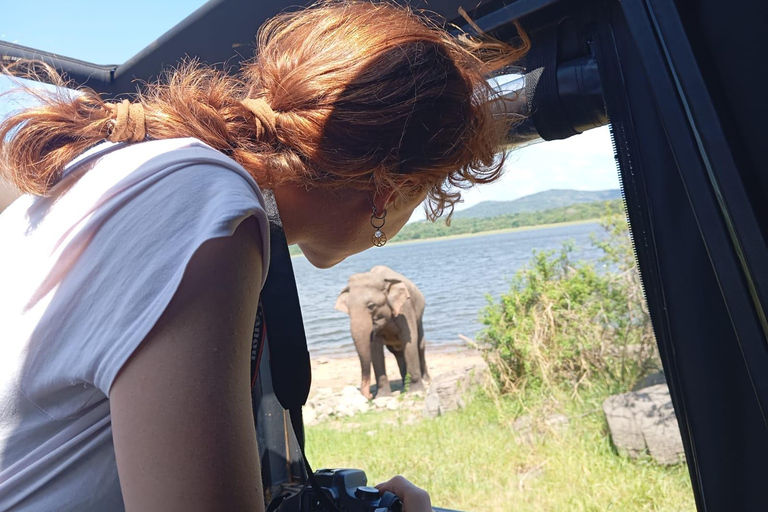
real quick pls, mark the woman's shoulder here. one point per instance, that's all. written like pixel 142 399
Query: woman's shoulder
pixel 124 165
pixel 110 247
pixel 177 189
pixel 159 188
pixel 180 189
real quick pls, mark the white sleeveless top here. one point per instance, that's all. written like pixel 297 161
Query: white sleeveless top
pixel 84 275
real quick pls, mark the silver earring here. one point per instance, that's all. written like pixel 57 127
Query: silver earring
pixel 379 238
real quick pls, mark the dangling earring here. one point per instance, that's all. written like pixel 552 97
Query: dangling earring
pixel 379 238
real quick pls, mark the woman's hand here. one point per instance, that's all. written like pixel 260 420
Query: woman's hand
pixel 414 498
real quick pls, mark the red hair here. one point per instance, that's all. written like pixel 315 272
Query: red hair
pixel 365 95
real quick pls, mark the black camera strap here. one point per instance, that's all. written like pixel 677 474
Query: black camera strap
pixel 289 363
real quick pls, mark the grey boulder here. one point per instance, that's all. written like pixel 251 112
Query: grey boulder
pixel 643 422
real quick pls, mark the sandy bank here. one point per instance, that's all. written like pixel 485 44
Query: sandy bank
pixel 335 373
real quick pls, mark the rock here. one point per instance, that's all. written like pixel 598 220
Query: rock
pixel 352 396
pixel 309 415
pixel 650 380
pixel 351 391
pixel 344 409
pixel 523 427
pixel 527 428
pixel 643 422
pixel 446 393
pixel 523 423
pixel 557 422
pixel 383 402
pixel 432 405
pixel 322 415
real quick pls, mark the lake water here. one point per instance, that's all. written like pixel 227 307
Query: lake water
pixel 453 274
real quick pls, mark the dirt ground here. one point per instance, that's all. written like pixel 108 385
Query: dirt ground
pixel 338 372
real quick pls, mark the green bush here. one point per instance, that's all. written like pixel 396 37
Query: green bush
pixel 565 325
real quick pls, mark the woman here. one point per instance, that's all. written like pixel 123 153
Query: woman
pixel 131 270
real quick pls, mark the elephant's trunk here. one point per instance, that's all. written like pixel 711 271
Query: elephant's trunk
pixel 362 327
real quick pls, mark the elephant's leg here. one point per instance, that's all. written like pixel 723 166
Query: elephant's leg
pixel 424 370
pixel 422 348
pixel 379 368
pixel 408 342
pixel 400 356
pixel 413 359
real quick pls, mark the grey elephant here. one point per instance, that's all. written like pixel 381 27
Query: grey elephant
pixel 386 308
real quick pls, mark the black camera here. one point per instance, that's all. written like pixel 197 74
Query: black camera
pixel 347 489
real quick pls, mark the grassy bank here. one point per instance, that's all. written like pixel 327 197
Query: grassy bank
pixel 473 460
pixel 497 231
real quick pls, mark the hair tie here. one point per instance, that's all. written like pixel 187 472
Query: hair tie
pixel 264 116
pixel 128 122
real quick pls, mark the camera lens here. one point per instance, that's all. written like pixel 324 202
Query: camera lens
pixel 367 493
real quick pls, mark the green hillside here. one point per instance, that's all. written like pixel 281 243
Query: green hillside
pixel 582 211
pixel 546 200
pixel 575 212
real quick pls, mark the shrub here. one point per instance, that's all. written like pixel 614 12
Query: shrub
pixel 565 325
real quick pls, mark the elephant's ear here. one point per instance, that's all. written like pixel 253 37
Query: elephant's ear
pixel 397 295
pixel 341 301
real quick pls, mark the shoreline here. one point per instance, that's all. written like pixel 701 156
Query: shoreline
pixel 499 231
pixel 458 346
pixel 338 373
pixel 491 232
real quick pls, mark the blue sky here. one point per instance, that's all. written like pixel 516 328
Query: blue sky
pixel 91 30
pixel 110 33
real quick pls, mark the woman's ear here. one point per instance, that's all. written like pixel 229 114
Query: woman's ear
pixel 383 199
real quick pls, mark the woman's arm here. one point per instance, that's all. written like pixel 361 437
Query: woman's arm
pixel 182 423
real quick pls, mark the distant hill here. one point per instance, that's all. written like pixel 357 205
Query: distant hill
pixel 546 200
pixel 423 230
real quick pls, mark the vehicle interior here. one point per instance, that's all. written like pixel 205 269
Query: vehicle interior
pixel 681 90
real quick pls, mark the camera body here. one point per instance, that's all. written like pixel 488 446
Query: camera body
pixel 345 488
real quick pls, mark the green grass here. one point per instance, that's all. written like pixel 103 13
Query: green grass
pixel 473 460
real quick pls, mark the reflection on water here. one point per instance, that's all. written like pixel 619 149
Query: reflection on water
pixel 454 274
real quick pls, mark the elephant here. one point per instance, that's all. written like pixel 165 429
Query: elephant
pixel 386 308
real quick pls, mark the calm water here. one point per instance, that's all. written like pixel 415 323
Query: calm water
pixel 454 274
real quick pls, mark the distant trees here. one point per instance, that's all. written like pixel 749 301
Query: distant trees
pixel 583 211
pixel 422 230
